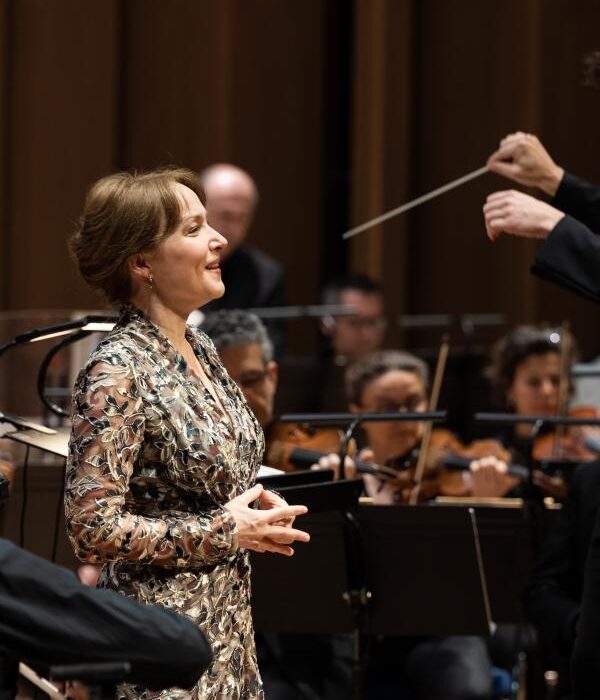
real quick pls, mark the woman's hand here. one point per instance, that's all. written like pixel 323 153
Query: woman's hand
pixel 260 530
pixel 489 478
pixel 519 214
pixel 269 500
pixel 522 158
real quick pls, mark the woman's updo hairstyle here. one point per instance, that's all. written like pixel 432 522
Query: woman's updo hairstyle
pixel 519 345
pixel 126 214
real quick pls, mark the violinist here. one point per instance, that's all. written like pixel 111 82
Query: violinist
pixel 290 665
pixel 392 380
pixel 430 667
pixel 525 375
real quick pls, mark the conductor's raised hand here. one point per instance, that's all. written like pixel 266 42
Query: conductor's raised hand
pixel 522 158
pixel 518 214
pixel 260 530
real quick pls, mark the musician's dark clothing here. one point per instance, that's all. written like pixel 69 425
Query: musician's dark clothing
pixel 579 199
pixel 428 668
pixel 553 596
pixel 570 255
pixel 47 617
pixel 586 656
pixel 253 279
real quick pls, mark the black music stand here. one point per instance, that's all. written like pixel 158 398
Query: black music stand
pixel 318 601
pixel 349 422
pixel 421 562
pixel 296 478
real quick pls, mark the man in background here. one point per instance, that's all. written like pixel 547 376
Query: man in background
pixel 347 338
pixel 252 279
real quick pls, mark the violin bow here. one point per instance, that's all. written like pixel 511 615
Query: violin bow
pixel 41 683
pixel 414 202
pixel 440 368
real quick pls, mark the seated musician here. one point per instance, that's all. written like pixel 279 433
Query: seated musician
pixel 525 375
pixel 389 381
pixel 426 667
pixel 346 339
pixel 292 666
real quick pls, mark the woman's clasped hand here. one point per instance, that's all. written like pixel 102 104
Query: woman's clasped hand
pixel 269 527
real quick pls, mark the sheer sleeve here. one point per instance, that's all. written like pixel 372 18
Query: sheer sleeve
pixel 107 436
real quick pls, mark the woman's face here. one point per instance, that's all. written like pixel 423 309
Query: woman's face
pixel 534 390
pixel 393 391
pixel 185 266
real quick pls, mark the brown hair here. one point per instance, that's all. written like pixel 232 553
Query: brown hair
pixel 125 214
pixel 360 373
pixel 516 347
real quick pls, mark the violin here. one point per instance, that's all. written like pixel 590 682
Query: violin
pixel 293 446
pixel 446 464
pixel 565 443
pixel 569 444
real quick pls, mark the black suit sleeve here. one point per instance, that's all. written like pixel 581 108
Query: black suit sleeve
pixel 580 200
pixel 47 617
pixel 551 597
pixel 586 657
pixel 570 256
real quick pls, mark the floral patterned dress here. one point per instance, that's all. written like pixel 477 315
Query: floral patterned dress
pixel 153 459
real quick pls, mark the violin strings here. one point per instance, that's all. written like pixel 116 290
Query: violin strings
pixel 415 202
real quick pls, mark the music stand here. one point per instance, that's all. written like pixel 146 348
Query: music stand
pixel 421 560
pixel 349 422
pixel 297 478
pixel 319 605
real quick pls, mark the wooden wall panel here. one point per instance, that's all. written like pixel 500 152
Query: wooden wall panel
pixel 62 124
pixel 91 87
pixel 569 128
pixel 215 81
pixel 382 145
pixel 471 92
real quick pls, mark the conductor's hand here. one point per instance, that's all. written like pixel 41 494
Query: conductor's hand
pixel 522 158
pixel 518 214
pixel 260 530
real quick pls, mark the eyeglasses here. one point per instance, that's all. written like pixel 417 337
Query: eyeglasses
pixel 248 380
pixel 378 323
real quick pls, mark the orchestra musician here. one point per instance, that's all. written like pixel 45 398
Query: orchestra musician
pixel 164 449
pixel 47 617
pixel 449 667
pixel 525 374
pixel 251 277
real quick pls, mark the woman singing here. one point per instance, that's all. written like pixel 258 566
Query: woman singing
pixel 164 449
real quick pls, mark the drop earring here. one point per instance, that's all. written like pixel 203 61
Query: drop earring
pixel 150 281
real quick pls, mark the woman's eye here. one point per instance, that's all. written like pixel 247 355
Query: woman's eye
pixel 194 229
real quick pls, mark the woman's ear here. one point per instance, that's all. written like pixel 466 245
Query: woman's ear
pixel 138 266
